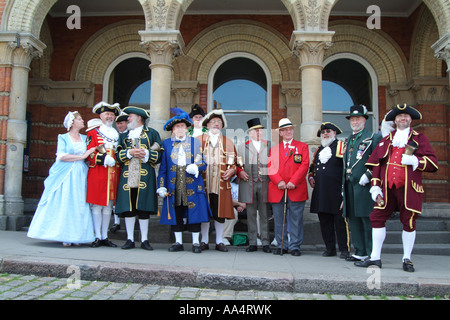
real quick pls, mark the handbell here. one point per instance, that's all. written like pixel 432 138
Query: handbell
pixel 230 161
pixel 101 148
pixel 410 148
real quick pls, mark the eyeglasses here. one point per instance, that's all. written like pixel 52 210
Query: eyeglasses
pixel 325 131
pixel 216 121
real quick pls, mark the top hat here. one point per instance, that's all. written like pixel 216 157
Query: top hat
pixel 329 125
pixel 135 110
pixel 285 123
pixel 415 115
pixel 254 123
pixel 180 117
pixel 216 113
pixel 358 111
pixel 196 109
pixel 103 106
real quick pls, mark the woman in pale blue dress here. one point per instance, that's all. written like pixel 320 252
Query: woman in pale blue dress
pixel 62 213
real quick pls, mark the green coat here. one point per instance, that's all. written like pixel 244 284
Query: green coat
pixel 358 202
pixel 146 199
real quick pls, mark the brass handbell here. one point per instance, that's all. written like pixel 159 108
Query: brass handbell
pixel 410 148
pixel 101 148
pixel 155 146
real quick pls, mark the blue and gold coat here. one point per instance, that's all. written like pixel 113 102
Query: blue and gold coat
pixel 198 209
pixel 146 198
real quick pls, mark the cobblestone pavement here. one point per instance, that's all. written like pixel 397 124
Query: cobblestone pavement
pixel 30 287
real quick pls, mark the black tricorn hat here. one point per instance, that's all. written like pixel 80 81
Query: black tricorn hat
pixel 415 115
pixel 358 110
pixel 254 123
pixel 329 125
pixel 196 109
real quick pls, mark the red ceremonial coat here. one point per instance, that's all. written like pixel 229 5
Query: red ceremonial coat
pixel 379 162
pixel 292 167
pixel 101 182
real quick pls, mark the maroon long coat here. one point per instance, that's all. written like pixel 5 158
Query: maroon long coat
pixel 379 162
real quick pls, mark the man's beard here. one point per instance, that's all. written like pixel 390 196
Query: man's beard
pixel 133 125
pixel 108 123
pixel 326 142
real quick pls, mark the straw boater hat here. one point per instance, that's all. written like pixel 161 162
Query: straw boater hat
pixel 93 123
pixel 196 109
pixel 179 117
pixel 358 111
pixel 415 115
pixel 285 123
pixel 122 117
pixel 254 124
pixel 135 110
pixel 103 106
pixel 216 113
pixel 329 125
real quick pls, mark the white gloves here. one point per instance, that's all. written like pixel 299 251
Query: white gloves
pixel 364 180
pixel 387 127
pixel 192 169
pixel 162 192
pixel 410 160
pixel 109 161
pixel 375 191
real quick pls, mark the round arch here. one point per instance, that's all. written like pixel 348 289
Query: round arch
pixel 372 74
pixel 107 91
pixel 104 47
pixel 233 55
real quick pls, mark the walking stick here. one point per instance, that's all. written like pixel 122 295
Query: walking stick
pixel 284 220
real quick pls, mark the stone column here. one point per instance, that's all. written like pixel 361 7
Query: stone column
pixel 310 48
pixel 161 48
pixel 24 48
pixel 442 49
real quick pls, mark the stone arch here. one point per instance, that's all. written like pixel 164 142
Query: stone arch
pixel 376 47
pixel 310 16
pixel 105 47
pixel 440 9
pixel 239 36
pixel 423 61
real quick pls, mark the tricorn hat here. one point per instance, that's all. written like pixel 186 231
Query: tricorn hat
pixel 103 106
pixel 135 110
pixel 254 123
pixel 179 116
pixel 358 111
pixel 93 123
pixel 216 113
pixel 415 115
pixel 122 117
pixel 329 125
pixel 196 109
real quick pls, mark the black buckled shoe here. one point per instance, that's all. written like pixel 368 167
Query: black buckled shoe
pixel 176 247
pixel 196 248
pixel 408 265
pixel 128 245
pixel 221 247
pixel 204 246
pixel 107 243
pixel 96 243
pixel 329 253
pixel 251 248
pixel 146 245
pixel 278 251
pixel 114 228
pixel 267 249
pixel 367 263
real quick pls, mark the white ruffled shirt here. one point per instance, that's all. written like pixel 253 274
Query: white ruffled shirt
pixel 134 134
pixel 401 138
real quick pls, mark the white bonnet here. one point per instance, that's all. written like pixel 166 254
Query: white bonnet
pixel 68 120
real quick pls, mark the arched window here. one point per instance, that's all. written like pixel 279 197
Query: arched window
pixel 347 81
pixel 240 85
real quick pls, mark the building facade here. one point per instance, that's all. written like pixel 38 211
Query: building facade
pixel 56 57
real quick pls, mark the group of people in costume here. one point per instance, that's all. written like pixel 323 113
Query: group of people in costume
pixel 357 183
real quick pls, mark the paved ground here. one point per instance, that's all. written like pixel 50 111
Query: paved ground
pixel 34 269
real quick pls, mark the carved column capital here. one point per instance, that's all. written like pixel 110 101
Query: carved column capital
pixel 311 47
